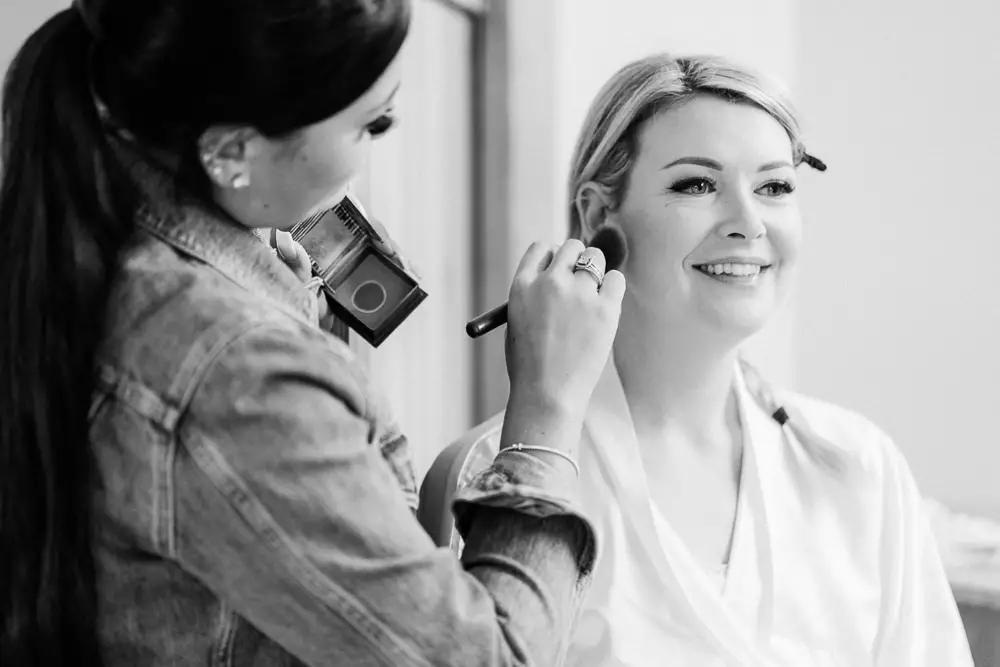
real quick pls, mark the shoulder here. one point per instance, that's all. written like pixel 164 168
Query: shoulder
pixel 173 323
pixel 840 423
pixel 864 443
pixel 162 293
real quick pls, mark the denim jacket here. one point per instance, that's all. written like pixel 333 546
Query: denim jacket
pixel 255 502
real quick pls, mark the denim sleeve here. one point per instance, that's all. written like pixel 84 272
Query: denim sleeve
pixel 287 508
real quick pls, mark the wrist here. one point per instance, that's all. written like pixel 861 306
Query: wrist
pixel 538 420
pixel 545 403
pixel 551 454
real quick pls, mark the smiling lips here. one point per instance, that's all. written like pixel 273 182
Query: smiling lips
pixel 734 271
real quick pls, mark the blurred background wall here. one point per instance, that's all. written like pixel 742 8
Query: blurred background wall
pixel 898 310
pixel 895 314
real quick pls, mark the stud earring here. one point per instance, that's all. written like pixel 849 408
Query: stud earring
pixel 240 181
pixel 216 171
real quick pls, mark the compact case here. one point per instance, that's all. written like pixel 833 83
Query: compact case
pixel 367 289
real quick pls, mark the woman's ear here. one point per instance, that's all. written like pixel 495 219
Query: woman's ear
pixel 592 208
pixel 226 153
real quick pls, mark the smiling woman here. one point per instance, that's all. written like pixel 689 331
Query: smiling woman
pixel 737 519
pixel 740 524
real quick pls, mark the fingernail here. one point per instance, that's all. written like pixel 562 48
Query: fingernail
pixel 285 245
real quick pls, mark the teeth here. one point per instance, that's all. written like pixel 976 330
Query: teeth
pixel 733 269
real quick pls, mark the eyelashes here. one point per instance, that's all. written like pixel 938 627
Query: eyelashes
pixel 776 188
pixel 700 186
pixel 694 186
pixel 380 125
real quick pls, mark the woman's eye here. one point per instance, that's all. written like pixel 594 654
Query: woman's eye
pixel 694 186
pixel 776 189
pixel 381 125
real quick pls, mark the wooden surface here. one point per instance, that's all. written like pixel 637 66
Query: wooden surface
pixel 977 591
pixel 982 625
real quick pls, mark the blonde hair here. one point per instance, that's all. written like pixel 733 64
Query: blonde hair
pixel 608 145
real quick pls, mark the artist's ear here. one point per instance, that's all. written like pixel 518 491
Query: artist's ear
pixel 593 206
pixel 226 154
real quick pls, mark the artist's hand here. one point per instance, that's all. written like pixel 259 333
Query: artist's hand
pixel 560 331
pixel 295 257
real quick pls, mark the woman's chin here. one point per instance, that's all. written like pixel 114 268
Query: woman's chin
pixel 737 321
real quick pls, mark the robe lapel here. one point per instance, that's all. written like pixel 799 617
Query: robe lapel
pixel 611 438
pixel 763 440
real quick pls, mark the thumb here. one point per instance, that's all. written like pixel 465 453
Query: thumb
pixel 292 254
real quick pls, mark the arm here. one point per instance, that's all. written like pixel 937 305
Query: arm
pixel 920 624
pixel 288 510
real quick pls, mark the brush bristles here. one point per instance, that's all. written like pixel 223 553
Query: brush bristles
pixel 611 242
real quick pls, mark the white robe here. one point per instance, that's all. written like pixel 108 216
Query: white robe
pixel 822 572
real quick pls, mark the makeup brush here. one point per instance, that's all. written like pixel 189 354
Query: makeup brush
pixel 609 240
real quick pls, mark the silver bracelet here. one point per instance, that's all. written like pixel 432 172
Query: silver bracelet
pixel 518 447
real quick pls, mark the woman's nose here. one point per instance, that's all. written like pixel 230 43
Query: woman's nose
pixel 743 219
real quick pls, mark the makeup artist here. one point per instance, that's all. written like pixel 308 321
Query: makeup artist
pixel 191 471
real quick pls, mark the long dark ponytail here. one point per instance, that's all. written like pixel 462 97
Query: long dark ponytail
pixel 65 212
pixel 103 80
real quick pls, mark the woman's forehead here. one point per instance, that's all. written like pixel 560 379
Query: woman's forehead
pixel 712 127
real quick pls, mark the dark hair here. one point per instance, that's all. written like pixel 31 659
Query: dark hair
pixel 164 72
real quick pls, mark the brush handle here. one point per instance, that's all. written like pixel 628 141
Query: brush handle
pixel 487 322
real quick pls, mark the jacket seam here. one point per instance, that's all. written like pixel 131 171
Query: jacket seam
pixel 209 458
pixel 233 488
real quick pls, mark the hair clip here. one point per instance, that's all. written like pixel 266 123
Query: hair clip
pixel 780 416
pixel 813 162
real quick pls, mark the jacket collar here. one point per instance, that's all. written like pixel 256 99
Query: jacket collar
pixel 233 250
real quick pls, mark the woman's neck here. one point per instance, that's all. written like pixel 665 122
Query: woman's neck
pixel 677 381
